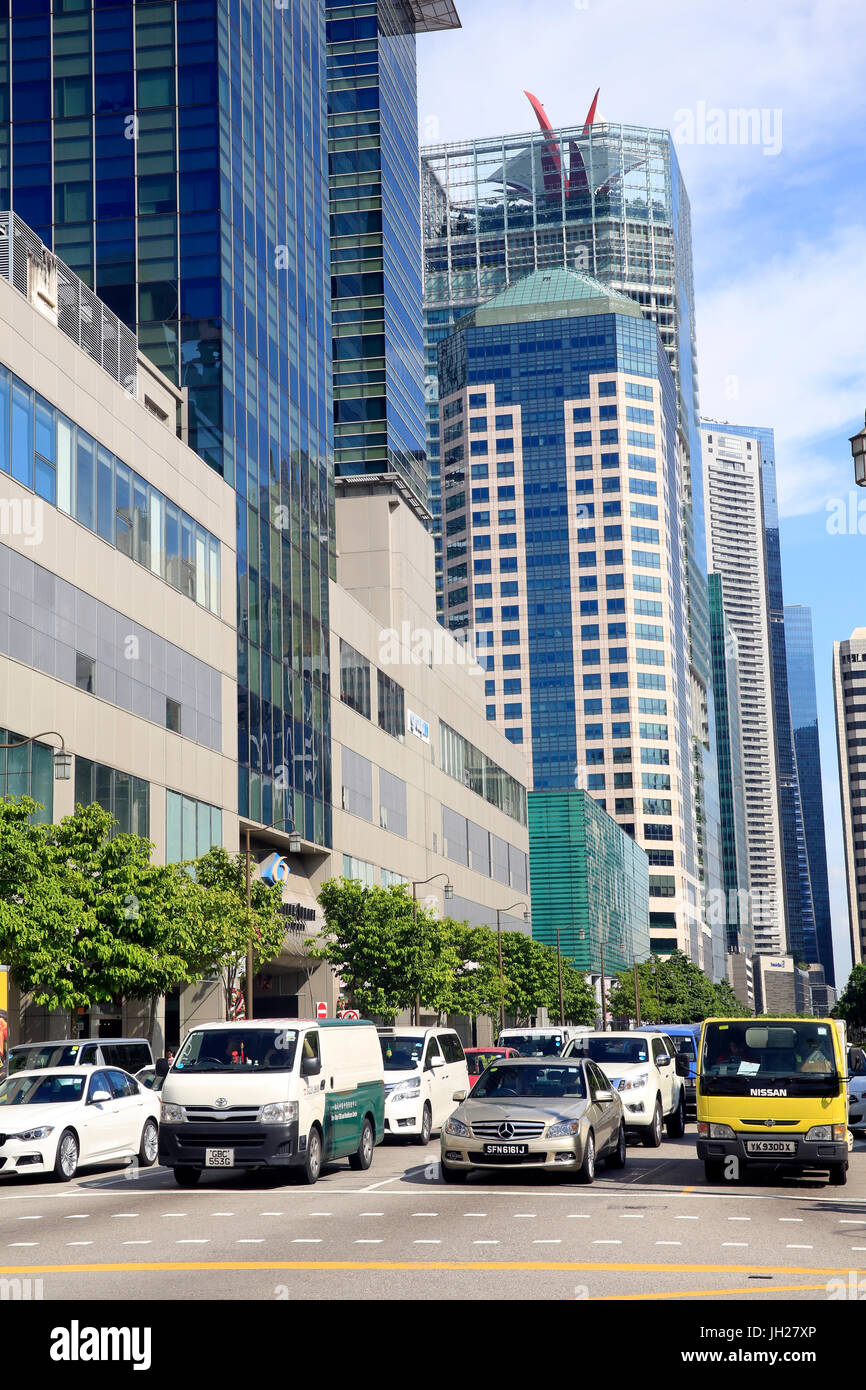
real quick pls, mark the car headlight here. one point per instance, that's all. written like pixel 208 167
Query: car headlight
pixel 457 1128
pixel 634 1083
pixel 279 1112
pixel 28 1134
pixel 563 1129
pixel 171 1114
pixel 406 1090
pixel 819 1133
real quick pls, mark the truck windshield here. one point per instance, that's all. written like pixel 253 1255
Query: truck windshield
pixel 236 1049
pixel 796 1056
pixel 535 1044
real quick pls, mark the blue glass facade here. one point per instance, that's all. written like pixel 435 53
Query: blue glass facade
pixel 804 719
pixel 175 157
pixel 728 731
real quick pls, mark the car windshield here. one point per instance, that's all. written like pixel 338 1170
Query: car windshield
pixel 554 1082
pixel 612 1050
pixel 235 1049
pixel 477 1061
pixel 769 1050
pixel 535 1044
pixel 41 1090
pixel 401 1053
pixel 47 1055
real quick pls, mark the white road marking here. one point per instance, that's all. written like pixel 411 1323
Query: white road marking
pixel 368 1242
pixel 372 1213
pixel 686 1218
pixel 632 1216
pixel 547 1242
pixel 739 1218
pixel 248 1240
pixel 138 1242
pixel 164 1214
pixel 426 1242
pixel 475 1213
pixel 847 1221
pixel 321 1213
pixel 425 1213
pixel 485 1242
pixel 17 1244
pixel 307 1240
pixel 524 1215
pixel 668 1242
pixel 799 1219
pixel 189 1240
pixel 578 1216
pixel 222 1213
pixel 29 1218
pixel 79 1242
pixel 116 1215
pixel 271 1213
pixel 800 1247
pixel 77 1216
pixel 607 1242
pixel 735 1244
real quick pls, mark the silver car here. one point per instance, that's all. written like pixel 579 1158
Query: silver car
pixel 558 1114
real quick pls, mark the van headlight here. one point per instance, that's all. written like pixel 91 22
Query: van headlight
pixel 279 1112
pixel 30 1134
pixel 406 1090
pixel 172 1114
pixel 457 1128
pixel 823 1133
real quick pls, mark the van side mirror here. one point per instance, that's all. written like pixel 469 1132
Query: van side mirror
pixel 161 1066
pixel 310 1066
pixel 663 1061
pixel 437 1061
pixel 682 1066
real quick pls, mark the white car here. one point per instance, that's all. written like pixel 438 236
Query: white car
pixel 857 1102
pixel 647 1074
pixel 56 1119
pixel 423 1069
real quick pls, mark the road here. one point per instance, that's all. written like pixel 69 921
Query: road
pixel 654 1230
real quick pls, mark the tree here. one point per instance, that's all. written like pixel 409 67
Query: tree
pixel 727 1003
pixel 671 991
pixel 851 1004
pixel 578 996
pixel 474 987
pixel 385 955
pixel 226 924
pixel 529 972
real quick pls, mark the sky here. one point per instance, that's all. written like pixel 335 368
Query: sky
pixel 779 237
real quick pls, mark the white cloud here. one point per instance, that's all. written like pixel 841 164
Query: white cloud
pixel 779 346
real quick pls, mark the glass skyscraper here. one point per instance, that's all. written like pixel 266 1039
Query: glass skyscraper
pixel 807 751
pixel 734 907
pixel 376 235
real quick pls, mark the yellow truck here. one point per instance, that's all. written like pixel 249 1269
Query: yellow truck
pixel 772 1091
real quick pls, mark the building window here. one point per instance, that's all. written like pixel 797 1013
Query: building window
pixel 354 679
pixel 125 797
pixel 85 672
pixel 191 828
pixel 360 870
pixel 172 714
pixel 392 712
pixel 28 771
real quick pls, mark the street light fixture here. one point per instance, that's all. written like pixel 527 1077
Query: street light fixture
pixel 858 453
pixel 62 758
pixel 294 848
pixel 526 918
pixel 448 894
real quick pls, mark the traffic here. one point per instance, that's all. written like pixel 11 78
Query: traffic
pixel 293 1096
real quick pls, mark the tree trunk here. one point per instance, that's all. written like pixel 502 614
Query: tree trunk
pixel 151 1025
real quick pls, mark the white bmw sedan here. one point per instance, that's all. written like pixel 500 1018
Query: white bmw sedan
pixel 56 1119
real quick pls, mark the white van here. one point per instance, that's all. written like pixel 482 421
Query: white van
pixel 275 1093
pixel 539 1042
pixel 423 1069
pixel 129 1054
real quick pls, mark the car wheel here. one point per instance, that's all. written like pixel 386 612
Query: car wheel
pixel 586 1171
pixel 617 1156
pixel 149 1146
pixel 426 1126
pixel 714 1170
pixel 66 1158
pixel 313 1161
pixel 453 1174
pixel 676 1123
pixel 361 1160
pixel 186 1177
pixel 653 1137
pixel 839 1175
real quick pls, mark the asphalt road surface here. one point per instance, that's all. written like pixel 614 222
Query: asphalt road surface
pixel 654 1230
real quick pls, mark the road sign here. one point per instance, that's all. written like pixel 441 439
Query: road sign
pixel 348 1013
pixel 321 1010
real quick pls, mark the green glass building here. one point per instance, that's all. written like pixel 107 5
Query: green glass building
pixel 589 880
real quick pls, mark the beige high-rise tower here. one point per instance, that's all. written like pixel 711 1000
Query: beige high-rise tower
pixel 849 689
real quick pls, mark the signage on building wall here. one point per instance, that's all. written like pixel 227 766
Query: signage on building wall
pixel 418 726
pixel 296 917
pixel 275 869
pixel 778 964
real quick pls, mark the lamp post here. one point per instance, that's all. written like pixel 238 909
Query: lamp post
pixel 526 918
pixel 858 453
pixel 294 848
pixel 448 893
pixel 62 757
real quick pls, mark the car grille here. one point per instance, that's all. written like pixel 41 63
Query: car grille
pixel 776 1124
pixel 204 1114
pixel 487 1159
pixel 522 1129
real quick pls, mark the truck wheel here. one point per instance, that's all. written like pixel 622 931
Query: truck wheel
pixel 186 1177
pixel 676 1123
pixel 313 1161
pixel 360 1161
pixel 714 1170
pixel 653 1136
pixel 839 1175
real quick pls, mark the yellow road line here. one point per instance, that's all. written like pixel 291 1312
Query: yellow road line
pixel 705 1293
pixel 469 1266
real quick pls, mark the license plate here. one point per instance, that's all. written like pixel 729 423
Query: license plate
pixel 219 1158
pixel 506 1148
pixel 771 1146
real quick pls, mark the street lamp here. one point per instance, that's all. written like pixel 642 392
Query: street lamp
pixel 858 453
pixel 448 893
pixel 294 848
pixel 62 758
pixel 526 918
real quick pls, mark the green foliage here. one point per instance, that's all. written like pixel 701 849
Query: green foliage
pixel 673 991
pixel 474 987
pixel 226 923
pixel 529 973
pixel 579 998
pixel 728 1005
pixel 851 1004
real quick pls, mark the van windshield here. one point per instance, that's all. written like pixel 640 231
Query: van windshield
pixel 401 1054
pixel 236 1049
pixel 610 1050
pixel 795 1057
pixel 34 1058
pixel 534 1044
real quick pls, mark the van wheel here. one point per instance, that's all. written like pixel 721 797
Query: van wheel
pixel 676 1123
pixel 313 1161
pixel 186 1177
pixel 653 1136
pixel 426 1127
pixel 66 1159
pixel 839 1175
pixel 361 1161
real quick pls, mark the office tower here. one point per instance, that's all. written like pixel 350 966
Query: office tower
pixel 736 552
pixel 734 907
pixel 376 234
pixel 607 200
pixel 175 157
pixel 562 501
pixel 799 907
pixel 807 753
pixel 849 689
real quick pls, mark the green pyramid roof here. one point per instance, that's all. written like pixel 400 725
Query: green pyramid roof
pixel 555 293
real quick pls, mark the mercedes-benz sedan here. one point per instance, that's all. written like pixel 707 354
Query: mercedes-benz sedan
pixel 556 1114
